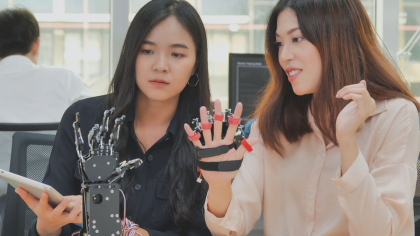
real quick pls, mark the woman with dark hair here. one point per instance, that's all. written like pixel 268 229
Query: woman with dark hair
pixel 338 128
pixel 160 82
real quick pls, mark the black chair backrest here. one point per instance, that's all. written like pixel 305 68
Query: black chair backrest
pixel 30 157
pixel 28 126
pixel 416 202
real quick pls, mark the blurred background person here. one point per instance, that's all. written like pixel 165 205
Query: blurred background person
pixel 29 93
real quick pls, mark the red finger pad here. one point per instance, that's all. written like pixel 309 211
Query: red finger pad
pixel 195 137
pixel 234 121
pixel 218 117
pixel 206 126
pixel 246 145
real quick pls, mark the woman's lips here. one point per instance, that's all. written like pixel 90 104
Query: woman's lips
pixel 158 83
pixel 291 78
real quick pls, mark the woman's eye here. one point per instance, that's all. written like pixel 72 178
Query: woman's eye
pixel 147 51
pixel 177 55
pixel 278 44
pixel 297 40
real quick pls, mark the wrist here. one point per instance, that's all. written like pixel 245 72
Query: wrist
pixel 219 198
pixel 346 139
pixel 143 232
pixel 46 231
pixel 220 187
pixel 349 151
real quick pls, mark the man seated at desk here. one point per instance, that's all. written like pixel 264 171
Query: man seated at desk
pixel 29 93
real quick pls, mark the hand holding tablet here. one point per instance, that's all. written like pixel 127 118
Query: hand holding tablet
pixel 41 198
pixel 34 188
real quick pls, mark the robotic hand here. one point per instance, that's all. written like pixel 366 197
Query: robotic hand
pixel 100 169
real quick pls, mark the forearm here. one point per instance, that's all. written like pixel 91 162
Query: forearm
pixel 44 231
pixel 218 199
pixel 370 216
pixel 377 204
pixel 349 151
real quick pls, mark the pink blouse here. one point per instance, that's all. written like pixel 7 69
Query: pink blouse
pixel 303 193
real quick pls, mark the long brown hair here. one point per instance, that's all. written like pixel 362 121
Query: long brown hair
pixel 350 52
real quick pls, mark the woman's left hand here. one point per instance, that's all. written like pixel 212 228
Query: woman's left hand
pixel 356 112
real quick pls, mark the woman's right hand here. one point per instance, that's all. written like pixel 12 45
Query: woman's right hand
pixel 50 220
pixel 218 178
pixel 220 190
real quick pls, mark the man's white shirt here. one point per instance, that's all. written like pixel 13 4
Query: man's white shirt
pixel 32 93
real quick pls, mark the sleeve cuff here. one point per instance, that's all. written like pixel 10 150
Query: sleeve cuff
pixel 353 177
pixel 223 225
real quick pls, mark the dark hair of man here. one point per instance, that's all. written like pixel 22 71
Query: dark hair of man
pixel 19 29
pixel 180 171
pixel 350 52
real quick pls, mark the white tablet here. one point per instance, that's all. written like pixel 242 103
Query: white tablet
pixel 34 188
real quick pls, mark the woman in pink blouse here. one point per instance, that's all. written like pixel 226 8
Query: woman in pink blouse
pixel 338 131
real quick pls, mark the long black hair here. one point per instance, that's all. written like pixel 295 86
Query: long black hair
pixel 180 171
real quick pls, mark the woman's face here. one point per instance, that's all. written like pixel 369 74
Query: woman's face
pixel 166 61
pixel 298 57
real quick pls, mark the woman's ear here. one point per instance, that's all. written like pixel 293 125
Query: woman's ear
pixel 195 68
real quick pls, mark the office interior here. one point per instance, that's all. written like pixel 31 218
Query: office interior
pixel 86 36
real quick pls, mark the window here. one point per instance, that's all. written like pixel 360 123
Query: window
pixel 409 58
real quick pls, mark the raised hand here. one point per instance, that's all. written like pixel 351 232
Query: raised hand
pixel 349 120
pixel 356 112
pixel 50 220
pixel 217 177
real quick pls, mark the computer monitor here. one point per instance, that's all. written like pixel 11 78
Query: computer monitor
pixel 248 75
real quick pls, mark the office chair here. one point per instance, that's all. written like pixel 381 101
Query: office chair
pixel 30 156
pixel 416 201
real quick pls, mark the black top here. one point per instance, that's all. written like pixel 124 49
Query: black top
pixel 149 206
